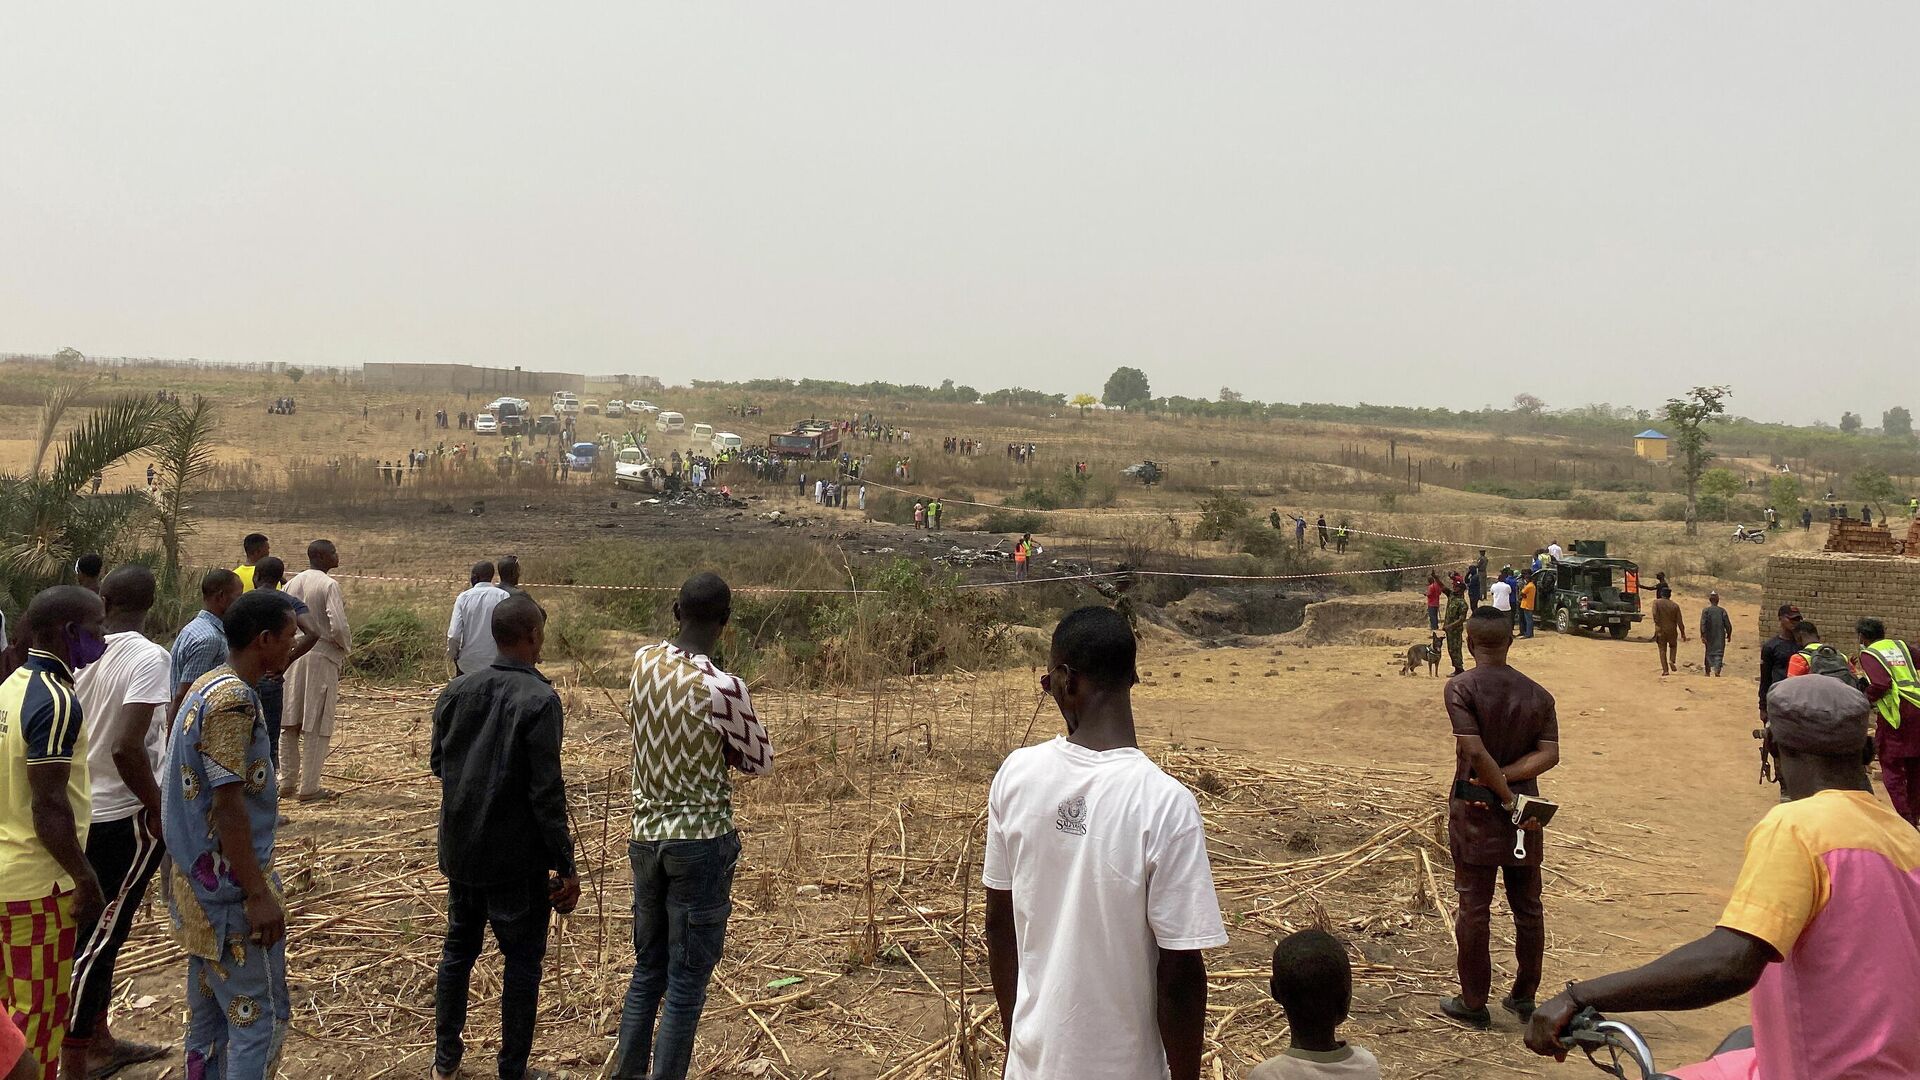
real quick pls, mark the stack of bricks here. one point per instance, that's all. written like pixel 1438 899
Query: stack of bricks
pixel 1858 538
pixel 1913 539
pixel 1835 590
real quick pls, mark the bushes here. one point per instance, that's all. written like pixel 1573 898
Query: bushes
pixel 1386 554
pixel 1588 508
pixel 1014 521
pixel 1544 489
pixel 393 643
pixel 1221 516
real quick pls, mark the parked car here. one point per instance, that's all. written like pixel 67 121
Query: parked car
pixel 643 406
pixel 702 433
pixel 590 407
pixel 586 455
pixel 670 421
pixel 727 442
pixel 616 407
pixel 485 424
pixel 546 424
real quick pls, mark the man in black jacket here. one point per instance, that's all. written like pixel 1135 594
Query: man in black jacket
pixel 503 828
pixel 1776 651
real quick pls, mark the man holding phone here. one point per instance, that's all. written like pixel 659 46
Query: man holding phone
pixel 504 844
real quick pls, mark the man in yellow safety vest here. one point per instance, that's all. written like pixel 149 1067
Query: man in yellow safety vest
pixel 1886 666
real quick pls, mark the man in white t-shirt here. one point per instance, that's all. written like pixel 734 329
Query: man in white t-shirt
pixel 123 701
pixel 1099 894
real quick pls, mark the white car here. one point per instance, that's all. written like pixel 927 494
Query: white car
pixel 590 407
pixel 616 408
pixel 485 424
pixel 725 441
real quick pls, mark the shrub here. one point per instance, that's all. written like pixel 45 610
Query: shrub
pixel 1588 508
pixel 1393 555
pixel 1014 521
pixel 393 643
pixel 1221 516
pixel 1544 489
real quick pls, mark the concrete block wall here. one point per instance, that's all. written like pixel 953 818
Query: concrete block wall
pixel 1834 590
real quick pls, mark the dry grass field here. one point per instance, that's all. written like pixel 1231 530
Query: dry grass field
pixel 856 950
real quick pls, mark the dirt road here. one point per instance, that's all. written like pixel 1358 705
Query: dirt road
pixel 1657 778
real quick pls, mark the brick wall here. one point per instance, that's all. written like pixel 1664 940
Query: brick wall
pixel 1859 538
pixel 1834 590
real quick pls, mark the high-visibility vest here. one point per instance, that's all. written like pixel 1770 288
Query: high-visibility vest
pixel 1893 656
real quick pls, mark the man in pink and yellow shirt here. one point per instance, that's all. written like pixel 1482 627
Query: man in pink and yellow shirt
pixel 1823 925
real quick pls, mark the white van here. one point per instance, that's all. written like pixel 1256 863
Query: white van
pixel 702 432
pixel 727 442
pixel 670 421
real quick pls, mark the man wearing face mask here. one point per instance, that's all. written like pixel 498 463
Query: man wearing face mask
pixel 47 888
pixel 1099 894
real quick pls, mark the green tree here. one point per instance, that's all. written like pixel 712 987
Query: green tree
pixel 1689 417
pixel 1529 404
pixel 1874 485
pixel 1721 484
pixel 1849 422
pixel 295 374
pixel 47 517
pixel 183 459
pixel 67 357
pixel 1127 387
pixel 1783 494
pixel 1228 394
pixel 1897 423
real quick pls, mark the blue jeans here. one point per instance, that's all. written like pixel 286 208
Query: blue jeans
pixel 681 899
pixel 1433 619
pixel 1526 622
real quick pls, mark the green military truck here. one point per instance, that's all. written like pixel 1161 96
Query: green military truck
pixel 1588 590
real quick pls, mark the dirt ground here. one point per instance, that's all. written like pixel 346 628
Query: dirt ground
pixel 1319 768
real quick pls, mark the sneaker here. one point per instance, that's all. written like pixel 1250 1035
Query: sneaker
pixel 1456 1010
pixel 1519 1008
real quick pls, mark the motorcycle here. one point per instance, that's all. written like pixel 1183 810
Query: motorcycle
pixel 1744 535
pixel 1615 1048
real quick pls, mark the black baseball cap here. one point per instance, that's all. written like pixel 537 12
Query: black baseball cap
pixel 1788 611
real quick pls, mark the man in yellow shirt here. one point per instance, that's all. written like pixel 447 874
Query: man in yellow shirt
pixel 47 887
pixel 1529 593
pixel 257 548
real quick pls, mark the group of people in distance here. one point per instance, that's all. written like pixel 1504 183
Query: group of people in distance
pixel 1099 895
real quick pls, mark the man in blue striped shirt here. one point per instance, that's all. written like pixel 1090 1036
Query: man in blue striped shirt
pixel 201 645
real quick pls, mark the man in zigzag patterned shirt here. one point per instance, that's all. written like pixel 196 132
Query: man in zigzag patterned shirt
pixel 690 722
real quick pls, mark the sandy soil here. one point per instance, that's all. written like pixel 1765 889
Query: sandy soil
pixel 1657 787
pixel 1657 776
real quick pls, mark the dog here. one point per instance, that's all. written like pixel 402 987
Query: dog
pixel 1428 654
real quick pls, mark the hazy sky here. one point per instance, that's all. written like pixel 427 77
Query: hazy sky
pixel 1439 203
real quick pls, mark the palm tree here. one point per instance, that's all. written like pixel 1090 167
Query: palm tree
pixel 46 519
pixel 183 457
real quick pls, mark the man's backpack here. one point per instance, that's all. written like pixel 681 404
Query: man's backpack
pixel 1827 660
